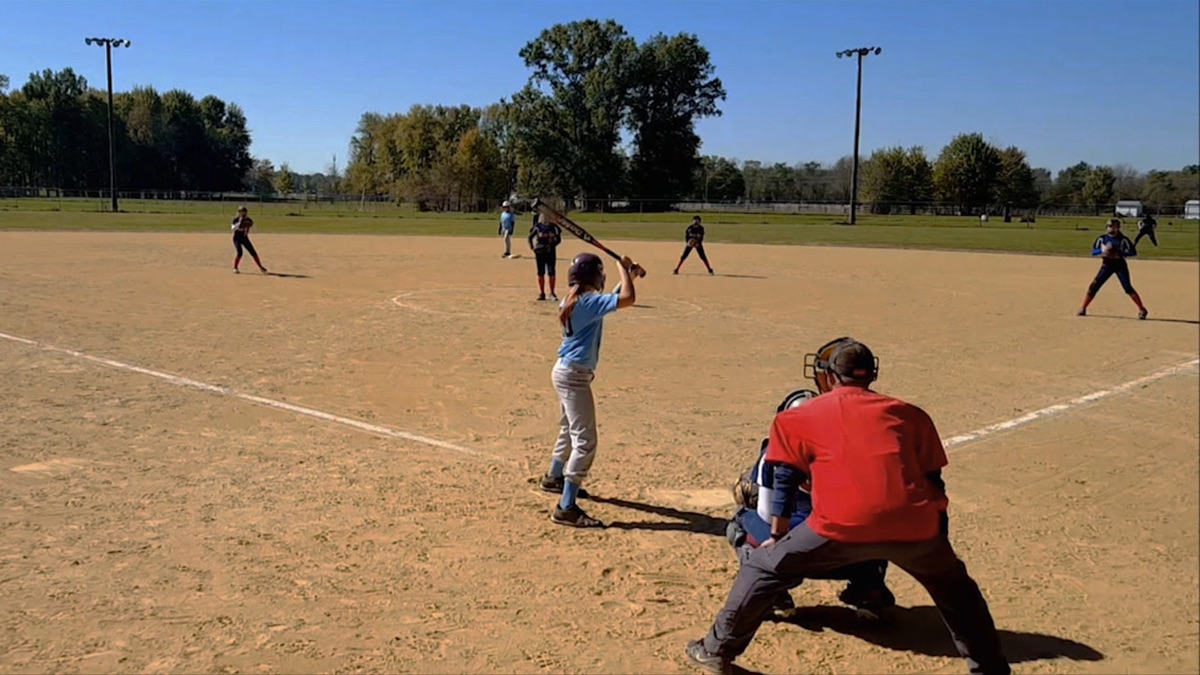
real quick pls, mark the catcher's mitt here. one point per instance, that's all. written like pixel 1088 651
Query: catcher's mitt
pixel 693 243
pixel 745 491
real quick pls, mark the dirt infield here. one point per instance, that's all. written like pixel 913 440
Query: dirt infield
pixel 153 525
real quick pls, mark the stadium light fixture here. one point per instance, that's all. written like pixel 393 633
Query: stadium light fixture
pixel 108 44
pixel 860 53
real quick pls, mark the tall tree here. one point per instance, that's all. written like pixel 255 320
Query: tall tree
pixel 1016 185
pixel 1098 189
pixel 671 86
pixel 584 68
pixel 965 172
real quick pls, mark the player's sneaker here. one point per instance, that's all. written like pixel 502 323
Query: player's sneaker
pixel 555 485
pixel 1082 312
pixel 711 272
pixel 1143 313
pixel 710 663
pixel 574 517
pixel 676 271
pixel 263 270
pixel 553 296
pixel 236 271
pixel 541 296
pixel 868 603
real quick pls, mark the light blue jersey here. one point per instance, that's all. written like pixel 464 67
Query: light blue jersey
pixel 508 221
pixel 581 335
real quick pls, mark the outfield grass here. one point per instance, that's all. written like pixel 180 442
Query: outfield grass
pixel 1178 239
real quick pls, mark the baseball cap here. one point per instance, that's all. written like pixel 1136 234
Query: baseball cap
pixel 854 360
pixel 505 203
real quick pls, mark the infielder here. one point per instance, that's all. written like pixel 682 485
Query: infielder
pixel 241 239
pixel 544 239
pixel 582 319
pixel 875 466
pixel 1113 248
pixel 508 224
pixel 694 236
pixel 1146 228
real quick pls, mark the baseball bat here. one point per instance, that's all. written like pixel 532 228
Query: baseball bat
pixel 574 228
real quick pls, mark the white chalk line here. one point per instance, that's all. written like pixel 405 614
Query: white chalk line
pixel 368 427
pixel 403 301
pixel 1059 408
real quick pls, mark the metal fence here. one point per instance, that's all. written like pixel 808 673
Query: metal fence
pixel 160 201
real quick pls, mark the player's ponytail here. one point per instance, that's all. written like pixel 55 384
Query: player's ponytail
pixel 568 305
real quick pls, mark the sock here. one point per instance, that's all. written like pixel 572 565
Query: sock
pixel 542 285
pixel 552 285
pixel 257 261
pixel 1137 300
pixel 1087 300
pixel 570 492
pixel 556 469
pixel 237 261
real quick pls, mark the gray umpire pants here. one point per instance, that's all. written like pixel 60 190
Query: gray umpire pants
pixel 577 436
pixel 803 553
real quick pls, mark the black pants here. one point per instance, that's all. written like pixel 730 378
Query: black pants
pixel 687 250
pixel 1107 269
pixel 243 240
pixel 1146 232
pixel 804 554
pixel 545 259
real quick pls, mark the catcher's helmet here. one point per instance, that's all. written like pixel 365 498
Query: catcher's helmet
pixel 844 357
pixel 586 269
pixel 796 399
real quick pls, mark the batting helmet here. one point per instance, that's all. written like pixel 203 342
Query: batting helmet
pixel 844 357
pixel 586 269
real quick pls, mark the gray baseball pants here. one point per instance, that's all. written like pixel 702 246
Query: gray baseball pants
pixel 803 553
pixel 577 435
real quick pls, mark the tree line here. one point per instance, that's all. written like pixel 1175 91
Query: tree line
pixel 54 133
pixel 601 119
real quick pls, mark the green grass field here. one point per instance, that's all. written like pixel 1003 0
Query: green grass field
pixel 1178 239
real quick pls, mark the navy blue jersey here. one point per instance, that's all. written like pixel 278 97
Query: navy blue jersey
pixel 544 236
pixel 1121 246
pixel 695 232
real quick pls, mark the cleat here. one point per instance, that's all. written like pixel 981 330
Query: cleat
pixel 1082 312
pixel 555 485
pixel 710 663
pixel 1142 314
pixel 574 517
pixel 871 604
pixel 541 296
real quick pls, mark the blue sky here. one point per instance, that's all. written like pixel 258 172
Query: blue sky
pixel 1066 80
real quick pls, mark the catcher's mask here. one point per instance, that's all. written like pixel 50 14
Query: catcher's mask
pixel 586 269
pixel 796 399
pixel 844 359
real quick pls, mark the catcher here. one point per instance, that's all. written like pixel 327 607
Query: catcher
pixel 754 494
pixel 695 240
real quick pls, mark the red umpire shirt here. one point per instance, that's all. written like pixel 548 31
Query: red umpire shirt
pixel 867 456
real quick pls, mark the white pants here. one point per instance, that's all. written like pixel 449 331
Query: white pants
pixel 507 236
pixel 577 436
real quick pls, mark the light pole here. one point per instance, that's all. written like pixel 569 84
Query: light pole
pixel 860 52
pixel 109 43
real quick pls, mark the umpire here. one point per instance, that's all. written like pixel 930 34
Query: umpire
pixel 875 464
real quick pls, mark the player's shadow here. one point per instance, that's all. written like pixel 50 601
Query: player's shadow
pixel 740 276
pixel 920 630
pixel 281 275
pixel 1149 318
pixel 688 521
